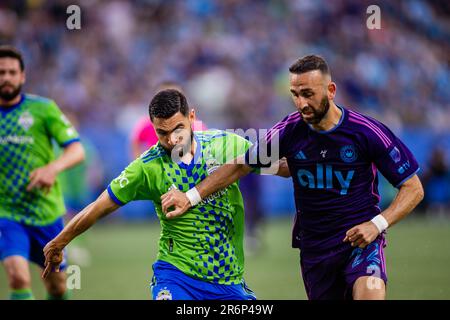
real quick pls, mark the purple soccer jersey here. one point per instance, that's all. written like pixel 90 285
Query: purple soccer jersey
pixel 334 173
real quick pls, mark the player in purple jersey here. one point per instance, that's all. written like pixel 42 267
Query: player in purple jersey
pixel 333 155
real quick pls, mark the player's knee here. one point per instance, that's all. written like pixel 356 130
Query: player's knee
pixel 19 280
pixel 56 289
pixel 369 288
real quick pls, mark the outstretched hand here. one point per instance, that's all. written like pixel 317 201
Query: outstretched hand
pixel 177 199
pixel 362 235
pixel 54 256
pixel 43 178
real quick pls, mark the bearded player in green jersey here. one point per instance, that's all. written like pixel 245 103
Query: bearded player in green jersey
pixel 200 254
pixel 31 203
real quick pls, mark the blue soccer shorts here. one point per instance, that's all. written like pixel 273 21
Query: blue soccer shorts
pixel 18 239
pixel 169 283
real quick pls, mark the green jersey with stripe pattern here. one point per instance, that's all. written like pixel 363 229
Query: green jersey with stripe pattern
pixel 207 241
pixel 27 130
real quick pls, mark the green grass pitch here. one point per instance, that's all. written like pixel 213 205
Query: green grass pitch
pixel 418 262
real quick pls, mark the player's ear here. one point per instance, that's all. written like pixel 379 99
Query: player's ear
pixel 331 90
pixel 24 78
pixel 192 116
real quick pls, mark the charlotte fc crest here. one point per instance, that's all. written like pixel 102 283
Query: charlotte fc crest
pixel 348 153
pixel 26 120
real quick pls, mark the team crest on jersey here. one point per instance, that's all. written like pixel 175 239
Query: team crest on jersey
pixel 211 164
pixel 348 153
pixel 164 294
pixel 26 120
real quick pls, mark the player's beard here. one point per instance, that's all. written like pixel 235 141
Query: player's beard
pixel 9 95
pixel 319 113
pixel 178 151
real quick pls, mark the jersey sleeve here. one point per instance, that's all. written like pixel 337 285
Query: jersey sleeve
pixel 391 156
pixel 271 147
pixel 59 126
pixel 130 185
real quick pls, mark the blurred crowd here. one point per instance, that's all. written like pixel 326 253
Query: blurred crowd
pixel 232 57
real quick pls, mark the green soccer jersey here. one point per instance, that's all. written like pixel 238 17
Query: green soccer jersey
pixel 26 133
pixel 207 241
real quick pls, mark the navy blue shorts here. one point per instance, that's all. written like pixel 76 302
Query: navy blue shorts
pixel 18 239
pixel 169 283
pixel 332 276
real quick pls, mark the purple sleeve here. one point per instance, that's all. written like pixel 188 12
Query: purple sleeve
pixel 391 156
pixel 271 147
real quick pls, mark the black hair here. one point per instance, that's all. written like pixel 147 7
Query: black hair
pixel 310 63
pixel 166 103
pixel 11 52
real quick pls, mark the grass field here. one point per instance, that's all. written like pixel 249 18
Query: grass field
pixel 418 262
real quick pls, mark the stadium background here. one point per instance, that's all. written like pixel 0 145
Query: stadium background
pixel 231 57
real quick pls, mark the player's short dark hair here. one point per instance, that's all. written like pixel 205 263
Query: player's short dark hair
pixel 11 52
pixel 310 63
pixel 166 103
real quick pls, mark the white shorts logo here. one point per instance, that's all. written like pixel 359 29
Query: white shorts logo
pixel 164 294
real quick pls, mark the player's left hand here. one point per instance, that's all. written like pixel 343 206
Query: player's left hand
pixel 43 178
pixel 362 235
pixel 175 198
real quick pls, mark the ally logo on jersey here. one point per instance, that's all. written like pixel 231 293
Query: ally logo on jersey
pixel 325 176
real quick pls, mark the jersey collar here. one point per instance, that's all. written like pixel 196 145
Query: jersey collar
pixel 194 160
pixel 14 106
pixel 335 127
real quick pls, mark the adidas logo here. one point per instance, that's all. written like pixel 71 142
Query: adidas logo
pixel 300 156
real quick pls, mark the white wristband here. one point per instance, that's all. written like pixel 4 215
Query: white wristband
pixel 194 196
pixel 380 222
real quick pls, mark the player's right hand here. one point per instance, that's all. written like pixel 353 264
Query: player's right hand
pixel 54 256
pixel 175 198
pixel 43 178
